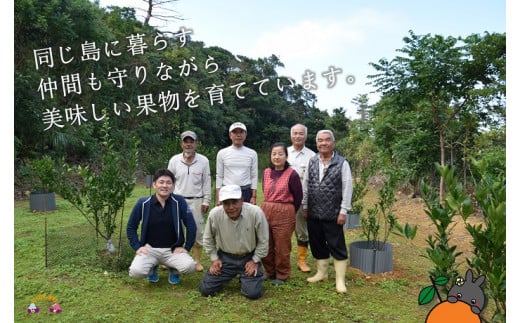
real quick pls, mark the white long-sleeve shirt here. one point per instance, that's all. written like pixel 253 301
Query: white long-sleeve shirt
pixel 237 165
pixel 192 180
pixel 299 160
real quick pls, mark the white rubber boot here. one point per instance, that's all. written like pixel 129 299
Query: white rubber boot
pixel 340 266
pixel 322 266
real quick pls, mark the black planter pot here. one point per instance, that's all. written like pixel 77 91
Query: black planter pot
pixel 42 201
pixel 369 260
pixel 148 181
pixel 352 221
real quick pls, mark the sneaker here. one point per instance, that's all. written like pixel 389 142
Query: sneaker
pixel 154 276
pixel 173 277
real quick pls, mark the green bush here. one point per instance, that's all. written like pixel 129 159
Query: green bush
pixel 42 174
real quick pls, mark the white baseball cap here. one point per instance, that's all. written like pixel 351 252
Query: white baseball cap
pixel 190 134
pixel 237 125
pixel 230 192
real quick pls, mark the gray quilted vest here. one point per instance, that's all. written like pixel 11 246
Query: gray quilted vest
pixel 324 198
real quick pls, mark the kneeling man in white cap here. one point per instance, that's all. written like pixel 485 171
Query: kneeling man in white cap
pixel 236 238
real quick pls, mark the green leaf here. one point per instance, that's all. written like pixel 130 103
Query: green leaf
pixel 426 295
pixel 441 281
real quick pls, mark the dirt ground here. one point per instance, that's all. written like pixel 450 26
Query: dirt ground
pixel 411 210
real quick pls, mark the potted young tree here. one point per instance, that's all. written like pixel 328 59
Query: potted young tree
pixel 375 254
pixel 43 178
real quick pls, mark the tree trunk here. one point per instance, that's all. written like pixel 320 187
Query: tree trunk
pixel 148 13
pixel 110 246
pixel 443 162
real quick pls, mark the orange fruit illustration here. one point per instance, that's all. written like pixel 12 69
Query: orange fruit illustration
pixel 447 312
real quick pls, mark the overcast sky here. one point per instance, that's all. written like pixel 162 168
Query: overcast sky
pixel 317 35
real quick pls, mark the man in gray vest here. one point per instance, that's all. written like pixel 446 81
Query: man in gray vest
pixel 327 193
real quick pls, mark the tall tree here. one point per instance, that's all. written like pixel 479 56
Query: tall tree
pixel 362 107
pixel 338 123
pixel 437 79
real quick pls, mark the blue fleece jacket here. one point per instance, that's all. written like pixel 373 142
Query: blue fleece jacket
pixel 181 214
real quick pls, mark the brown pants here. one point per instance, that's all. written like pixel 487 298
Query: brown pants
pixel 281 218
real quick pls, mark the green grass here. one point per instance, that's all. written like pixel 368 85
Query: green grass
pixel 89 292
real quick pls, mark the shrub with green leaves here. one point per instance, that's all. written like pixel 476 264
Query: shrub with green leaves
pixel 489 238
pixel 42 174
pixel 381 220
pixel 360 188
pixel 440 251
pixel 99 190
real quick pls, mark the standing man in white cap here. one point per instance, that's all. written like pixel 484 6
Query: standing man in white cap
pixel 237 164
pixel 193 182
pixel 298 158
pixel 236 238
